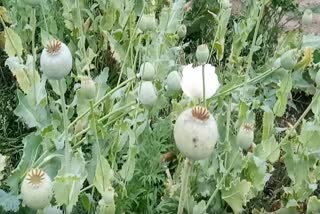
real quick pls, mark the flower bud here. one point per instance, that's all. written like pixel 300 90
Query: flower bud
pixel 307 18
pixel 147 94
pixel 182 31
pixel 147 71
pixel 173 81
pixel 289 59
pixel 88 88
pixel 147 23
pixel 245 136
pixel 202 54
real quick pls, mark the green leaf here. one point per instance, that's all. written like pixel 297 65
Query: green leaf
pixel 26 112
pixel 313 205
pixel 236 195
pixel 128 167
pixel 13 44
pixel 199 207
pixel 170 18
pixel 106 208
pixel 256 172
pixel 282 95
pixel 30 151
pixel 69 181
pixel 20 74
pixel 103 176
pixel 309 137
pixel 9 202
pixel 311 40
pixel 267 126
pixel 268 150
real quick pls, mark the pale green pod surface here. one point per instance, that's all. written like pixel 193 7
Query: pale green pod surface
pixel 245 136
pixel 147 71
pixel 147 94
pixel 174 81
pixel 289 59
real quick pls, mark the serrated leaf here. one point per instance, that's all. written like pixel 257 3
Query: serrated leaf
pixel 236 195
pixel 13 43
pixel 31 148
pixel 128 167
pixel 9 202
pixel 282 95
pixel 313 205
pixel 69 181
pixel 256 172
pixel 103 176
pixel 26 112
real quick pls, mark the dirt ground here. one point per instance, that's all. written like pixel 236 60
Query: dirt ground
pixel 293 22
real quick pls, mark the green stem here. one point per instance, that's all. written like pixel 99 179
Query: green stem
pixel 94 127
pixel 100 101
pixel 34 55
pixel 255 35
pixel 129 46
pixel 67 147
pixel 204 87
pixel 253 80
pixel 220 184
pixel 184 184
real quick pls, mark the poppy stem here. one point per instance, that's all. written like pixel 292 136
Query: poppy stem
pixel 203 87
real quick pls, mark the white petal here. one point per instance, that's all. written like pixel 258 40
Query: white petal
pixel 192 82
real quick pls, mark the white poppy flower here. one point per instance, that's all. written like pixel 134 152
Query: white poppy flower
pixel 192 84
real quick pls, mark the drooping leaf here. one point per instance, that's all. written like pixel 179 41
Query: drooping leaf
pixel 267 126
pixel 128 167
pixel 31 150
pixel 20 74
pixel 103 176
pixel 13 44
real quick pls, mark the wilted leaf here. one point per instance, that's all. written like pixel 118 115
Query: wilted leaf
pixel 128 167
pixel 20 74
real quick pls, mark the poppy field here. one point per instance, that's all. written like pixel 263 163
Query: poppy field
pixel 159 106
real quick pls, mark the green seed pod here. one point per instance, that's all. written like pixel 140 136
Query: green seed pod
pixel 307 18
pixel 245 136
pixel 202 54
pixel 182 31
pixel 88 88
pixel 289 59
pixel 317 79
pixel 147 71
pixel 173 81
pixel 147 23
pixel 147 94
